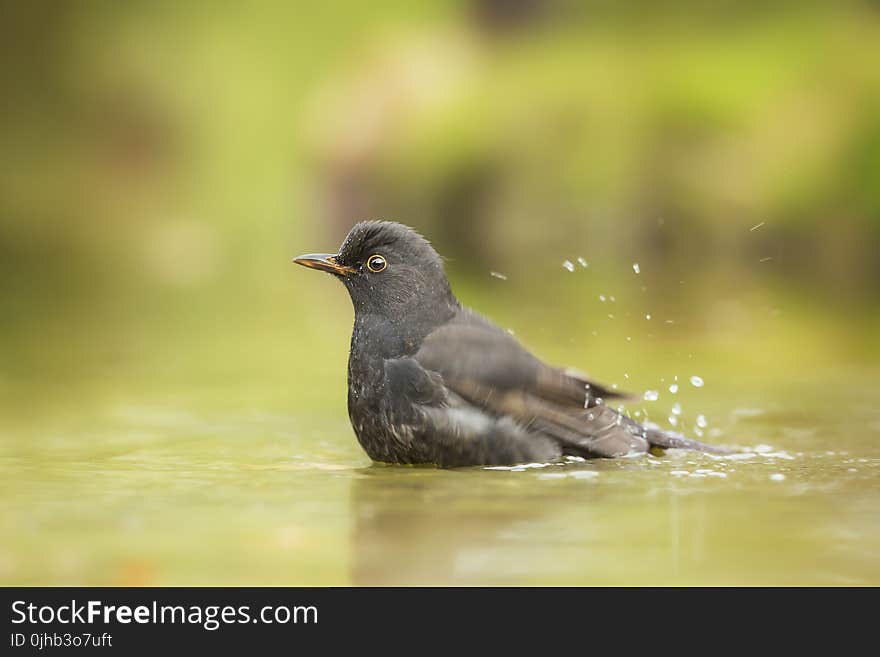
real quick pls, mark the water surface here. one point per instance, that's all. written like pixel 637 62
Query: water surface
pixel 153 488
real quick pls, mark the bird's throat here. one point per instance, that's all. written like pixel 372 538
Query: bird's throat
pixel 385 336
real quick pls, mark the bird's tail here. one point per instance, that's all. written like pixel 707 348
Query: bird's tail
pixel 667 440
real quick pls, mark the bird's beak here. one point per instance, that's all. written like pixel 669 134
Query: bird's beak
pixel 323 262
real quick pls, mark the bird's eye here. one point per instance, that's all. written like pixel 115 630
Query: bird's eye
pixel 376 263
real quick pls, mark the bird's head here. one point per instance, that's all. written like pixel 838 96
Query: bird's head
pixel 389 270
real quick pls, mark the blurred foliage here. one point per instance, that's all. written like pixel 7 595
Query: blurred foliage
pixel 161 162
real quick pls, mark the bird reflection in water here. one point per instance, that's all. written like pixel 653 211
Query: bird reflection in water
pixel 420 526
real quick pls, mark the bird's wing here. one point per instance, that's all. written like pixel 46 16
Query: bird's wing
pixel 443 428
pixel 489 368
pixel 470 344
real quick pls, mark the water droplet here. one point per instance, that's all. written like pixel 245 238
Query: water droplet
pixel 568 265
pixel 701 421
pixel 753 228
pixel 583 263
pixel 676 409
pixel 626 376
pixel 648 317
pixel 602 298
pixel 767 259
pixel 673 388
pixel 672 420
pixel 498 275
pixel 777 476
pixel 696 382
pixel 652 395
pixel 636 268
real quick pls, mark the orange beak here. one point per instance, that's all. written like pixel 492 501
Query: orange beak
pixel 324 262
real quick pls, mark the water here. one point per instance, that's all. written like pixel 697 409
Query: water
pixel 170 488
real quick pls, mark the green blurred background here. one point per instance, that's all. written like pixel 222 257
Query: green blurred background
pixel 162 162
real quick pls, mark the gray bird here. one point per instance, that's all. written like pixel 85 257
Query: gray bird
pixel 430 381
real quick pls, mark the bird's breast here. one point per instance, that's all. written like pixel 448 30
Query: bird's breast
pixel 385 427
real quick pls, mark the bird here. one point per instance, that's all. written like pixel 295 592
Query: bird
pixel 433 382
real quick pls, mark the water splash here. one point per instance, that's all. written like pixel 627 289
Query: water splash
pixel 522 467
